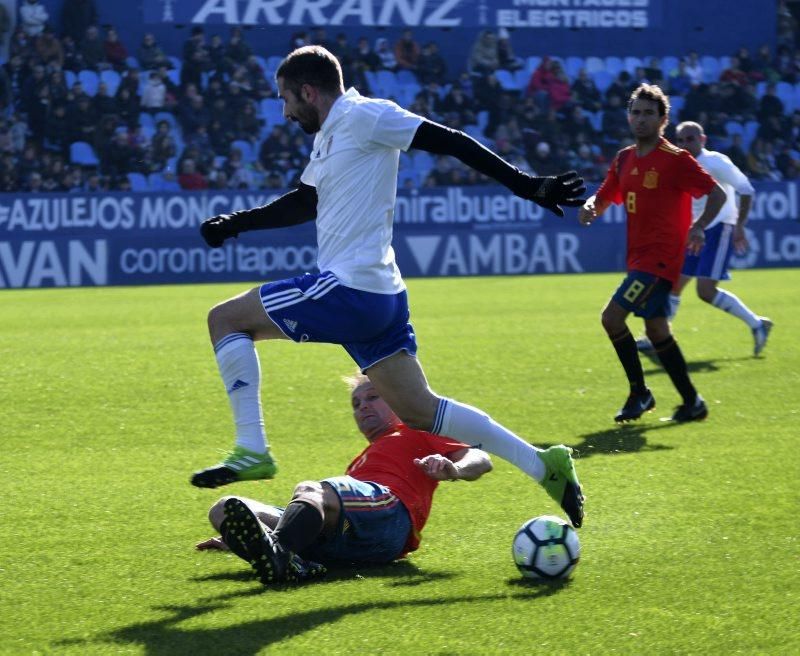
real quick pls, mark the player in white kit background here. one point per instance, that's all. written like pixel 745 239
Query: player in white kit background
pixel 358 298
pixel 724 235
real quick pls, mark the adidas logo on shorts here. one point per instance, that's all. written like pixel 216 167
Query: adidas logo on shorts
pixel 290 324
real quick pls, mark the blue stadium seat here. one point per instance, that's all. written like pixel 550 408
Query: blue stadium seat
pixel 761 88
pixel 172 164
pixel 596 119
pixel 522 77
pixel 272 111
pixel 532 63
pixel 506 79
pixel 797 95
pixel 734 127
pixel 676 104
pixel 573 65
pixel 157 182
pixel 711 68
pixel 594 64
pixel 70 78
pixel 89 80
pixel 272 66
pixel 81 153
pixel 630 64
pixel 138 182
pixel 483 119
pixel 785 92
pixel 406 77
pixel 132 62
pixel 750 131
pixel 603 79
pixel 168 117
pixel 669 64
pixel 614 65
pixel 249 153
pixel 387 84
pixel 111 79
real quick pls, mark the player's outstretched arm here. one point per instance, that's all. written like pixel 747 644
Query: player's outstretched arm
pixel 295 207
pixel 551 192
pixel 462 465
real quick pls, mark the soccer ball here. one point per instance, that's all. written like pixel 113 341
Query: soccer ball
pixel 546 548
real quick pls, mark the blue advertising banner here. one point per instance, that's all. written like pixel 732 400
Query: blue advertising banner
pixel 139 239
pixel 546 14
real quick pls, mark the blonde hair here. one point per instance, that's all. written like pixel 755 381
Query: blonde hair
pixel 355 380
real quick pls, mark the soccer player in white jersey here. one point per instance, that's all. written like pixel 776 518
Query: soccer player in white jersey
pixel 359 299
pixel 723 235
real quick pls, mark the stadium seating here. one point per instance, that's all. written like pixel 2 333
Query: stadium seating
pixel 89 80
pixel 111 79
pixel 138 182
pixel 168 117
pixel 506 79
pixel 573 66
pixel 271 110
pixel 603 79
pixel 81 153
pixel 630 64
pixel 711 68
pixel 785 92
pixel 249 153
pixel 594 64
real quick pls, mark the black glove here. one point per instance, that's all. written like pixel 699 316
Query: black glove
pixel 552 191
pixel 217 229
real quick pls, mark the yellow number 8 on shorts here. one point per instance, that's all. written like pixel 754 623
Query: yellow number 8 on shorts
pixel 634 290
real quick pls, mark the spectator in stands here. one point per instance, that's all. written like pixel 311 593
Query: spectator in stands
pixel 506 59
pixel 173 91
pixel 761 160
pixel 247 126
pixel 431 66
pixel 220 136
pixel 615 120
pixel 237 51
pixel 22 45
pixel 119 156
pixel 76 17
pixel 274 180
pixel 319 38
pixel 549 85
pixel 162 146
pixel 771 129
pixel 154 96
pixel 195 43
pixel 654 72
pixel 102 102
pixel 92 50
pixel 239 174
pixel 407 51
pixel 193 68
pixel 116 53
pixel 32 17
pixel 236 99
pixel 734 74
pixel 193 114
pixel 785 65
pixel 33 184
pixel 458 103
pixel 365 57
pixel 128 106
pixel 770 105
pixel 73 58
pixel 544 161
pixel 483 58
pixel 190 178
pixel 585 92
pixel 622 86
pixel 737 154
pixel 53 175
pixel 150 55
pixel 28 162
pixel 385 54
pixel 787 26
pixel 49 50
pixel 32 88
pixel 694 69
pixel 787 161
pixel 95 183
pixel 678 81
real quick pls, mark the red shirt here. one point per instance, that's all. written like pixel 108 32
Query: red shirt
pixel 389 460
pixel 657 190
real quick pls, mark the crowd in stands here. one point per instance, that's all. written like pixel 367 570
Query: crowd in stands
pixel 84 111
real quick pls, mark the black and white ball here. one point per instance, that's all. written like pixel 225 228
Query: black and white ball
pixel 546 548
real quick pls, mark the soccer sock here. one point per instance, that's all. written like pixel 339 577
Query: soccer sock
pixel 299 525
pixel 241 373
pixel 476 428
pixel 674 305
pixel 625 346
pixel 672 360
pixel 731 304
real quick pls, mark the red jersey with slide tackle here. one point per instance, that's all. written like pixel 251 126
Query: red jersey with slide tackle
pixel 389 460
pixel 657 190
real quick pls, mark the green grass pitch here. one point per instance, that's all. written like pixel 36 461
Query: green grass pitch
pixel 111 398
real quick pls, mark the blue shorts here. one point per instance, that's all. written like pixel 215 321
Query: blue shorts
pixel 712 262
pixel 374 525
pixel 317 308
pixel 644 294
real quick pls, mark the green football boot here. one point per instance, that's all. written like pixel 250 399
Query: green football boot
pixel 240 465
pixel 561 481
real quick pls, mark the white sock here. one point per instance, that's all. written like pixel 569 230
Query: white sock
pixel 674 304
pixel 732 305
pixel 476 428
pixel 241 373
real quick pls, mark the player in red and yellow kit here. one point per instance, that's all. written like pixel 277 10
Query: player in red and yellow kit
pixel 656 181
pixel 374 514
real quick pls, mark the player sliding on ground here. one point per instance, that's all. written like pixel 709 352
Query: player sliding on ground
pixel 373 514
pixel 359 299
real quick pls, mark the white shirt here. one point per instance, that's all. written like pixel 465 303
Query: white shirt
pixel 354 166
pixel 730 178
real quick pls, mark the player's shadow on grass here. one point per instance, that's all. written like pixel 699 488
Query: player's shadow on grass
pixel 694 366
pixel 405 573
pixel 166 636
pixel 624 438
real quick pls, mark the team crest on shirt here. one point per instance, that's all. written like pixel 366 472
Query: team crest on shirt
pixel 650 180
